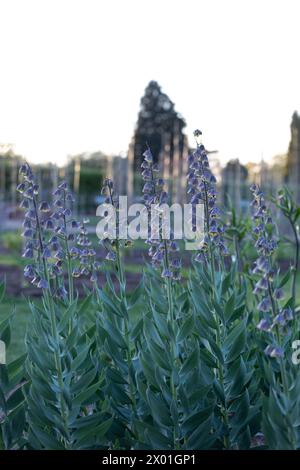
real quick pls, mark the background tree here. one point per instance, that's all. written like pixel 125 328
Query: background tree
pixel 159 126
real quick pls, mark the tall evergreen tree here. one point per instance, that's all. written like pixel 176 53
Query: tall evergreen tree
pixel 158 125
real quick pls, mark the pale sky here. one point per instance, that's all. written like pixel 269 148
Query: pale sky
pixel 73 72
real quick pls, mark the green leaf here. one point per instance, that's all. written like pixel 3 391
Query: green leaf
pixel 235 342
pixel 109 304
pixel 80 357
pixel 197 418
pixel 229 307
pixel 84 381
pixel 84 397
pixel 192 362
pixel 84 434
pixel 160 411
pixel 137 293
pixel 285 278
pixel 136 330
pixel 5 331
pixel 185 329
pixel 202 438
pixel 2 290
pixel 159 356
pixel 14 366
pixel 115 334
pixel 226 283
pixel 68 314
pixel 158 440
pixel 48 441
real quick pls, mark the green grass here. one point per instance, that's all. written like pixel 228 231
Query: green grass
pixel 11 240
pixel 12 259
pixel 21 309
pixel 20 312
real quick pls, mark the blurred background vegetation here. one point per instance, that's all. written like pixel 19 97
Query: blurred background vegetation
pixel 161 127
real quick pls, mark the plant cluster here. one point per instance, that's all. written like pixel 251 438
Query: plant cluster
pixel 205 363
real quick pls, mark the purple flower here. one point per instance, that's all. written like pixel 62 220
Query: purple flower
pixel 21 188
pixel 93 278
pixel 24 169
pixel 202 188
pixel 111 256
pixel 266 244
pixel 197 133
pixel 278 294
pixel 75 224
pixel 147 188
pixel 161 250
pixel 176 275
pixel 288 314
pixel 264 305
pixel 274 351
pixel 46 253
pixel 166 273
pixel 43 284
pixel 173 246
pixel 200 257
pixel 44 207
pixel 29 271
pixel 280 320
pixel 76 272
pixel 264 325
pixel 28 233
pixel 74 252
pixel 28 253
pixel 262 284
pixel 62 292
pixel 148 156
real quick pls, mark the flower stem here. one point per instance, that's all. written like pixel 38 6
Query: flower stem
pixel 122 283
pixel 296 263
pixel 50 305
pixel 217 320
pixel 284 381
pixel 69 265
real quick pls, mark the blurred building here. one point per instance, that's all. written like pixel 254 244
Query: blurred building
pixel 235 184
pixel 293 159
pixel 120 174
pixel 160 127
pixel 254 172
pixel 277 172
pixel 9 176
pixel 86 172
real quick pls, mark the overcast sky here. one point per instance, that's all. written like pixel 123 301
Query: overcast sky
pixel 73 72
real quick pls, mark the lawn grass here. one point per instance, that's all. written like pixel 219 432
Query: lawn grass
pixel 21 314
pixel 22 311
pixel 19 311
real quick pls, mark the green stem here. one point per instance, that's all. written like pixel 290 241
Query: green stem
pixel 172 319
pixel 224 412
pixel 217 320
pixel 122 283
pixel 296 263
pixel 50 305
pixel 277 334
pixel 239 260
pixel 58 365
pixel 69 264
pixel 284 381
